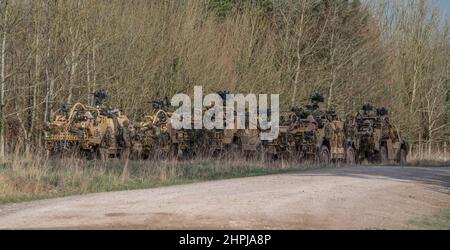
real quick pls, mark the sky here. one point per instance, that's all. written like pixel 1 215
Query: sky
pixel 445 5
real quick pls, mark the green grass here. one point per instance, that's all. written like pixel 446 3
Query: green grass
pixel 25 180
pixel 438 221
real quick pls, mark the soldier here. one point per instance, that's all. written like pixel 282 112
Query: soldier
pixel 89 117
pixel 100 97
pixel 312 123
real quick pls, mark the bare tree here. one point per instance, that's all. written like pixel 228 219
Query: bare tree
pixel 4 7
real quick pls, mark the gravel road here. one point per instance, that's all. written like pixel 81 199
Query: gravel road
pixel 338 198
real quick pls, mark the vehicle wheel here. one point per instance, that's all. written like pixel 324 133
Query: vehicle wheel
pixel 350 156
pixel 383 155
pixel 324 156
pixel 184 154
pixel 402 157
pixel 90 155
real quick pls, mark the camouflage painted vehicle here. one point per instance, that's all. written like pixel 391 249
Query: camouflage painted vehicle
pixel 186 143
pixel 94 131
pixel 219 141
pixel 248 141
pixel 152 138
pixel 312 133
pixel 372 137
pixel 281 147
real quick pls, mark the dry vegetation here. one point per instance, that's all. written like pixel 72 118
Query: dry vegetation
pixel 30 178
pixel 392 53
pixel 24 179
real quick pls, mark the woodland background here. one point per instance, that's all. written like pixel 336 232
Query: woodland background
pixel 391 53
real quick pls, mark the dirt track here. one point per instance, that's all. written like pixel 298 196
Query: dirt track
pixel 353 198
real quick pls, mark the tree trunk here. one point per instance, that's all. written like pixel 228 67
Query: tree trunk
pixel 299 59
pixel 414 90
pixel 88 79
pixel 94 73
pixel 73 68
pixel 333 72
pixel 48 81
pixel 2 88
pixel 33 101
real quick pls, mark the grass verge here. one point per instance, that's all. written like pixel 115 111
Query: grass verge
pixel 34 179
pixel 438 221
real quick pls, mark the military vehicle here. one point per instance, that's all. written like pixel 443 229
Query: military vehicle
pixel 372 137
pixel 312 133
pixel 218 141
pixel 152 138
pixel 281 147
pixel 185 142
pixel 92 130
pixel 247 142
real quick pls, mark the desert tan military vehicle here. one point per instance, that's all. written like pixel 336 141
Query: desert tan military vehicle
pixel 247 142
pixel 93 131
pixel 374 138
pixel 217 142
pixel 186 143
pixel 281 147
pixel 152 138
pixel 312 133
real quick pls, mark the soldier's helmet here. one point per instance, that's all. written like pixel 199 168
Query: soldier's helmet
pixel 317 98
pixel 156 104
pixel 367 109
pixel 65 109
pixel 100 97
pixel 382 111
pixel 331 115
pixel 160 104
pixel 223 95
pixel 166 101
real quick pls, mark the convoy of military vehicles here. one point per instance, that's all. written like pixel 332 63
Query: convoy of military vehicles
pixel 309 132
